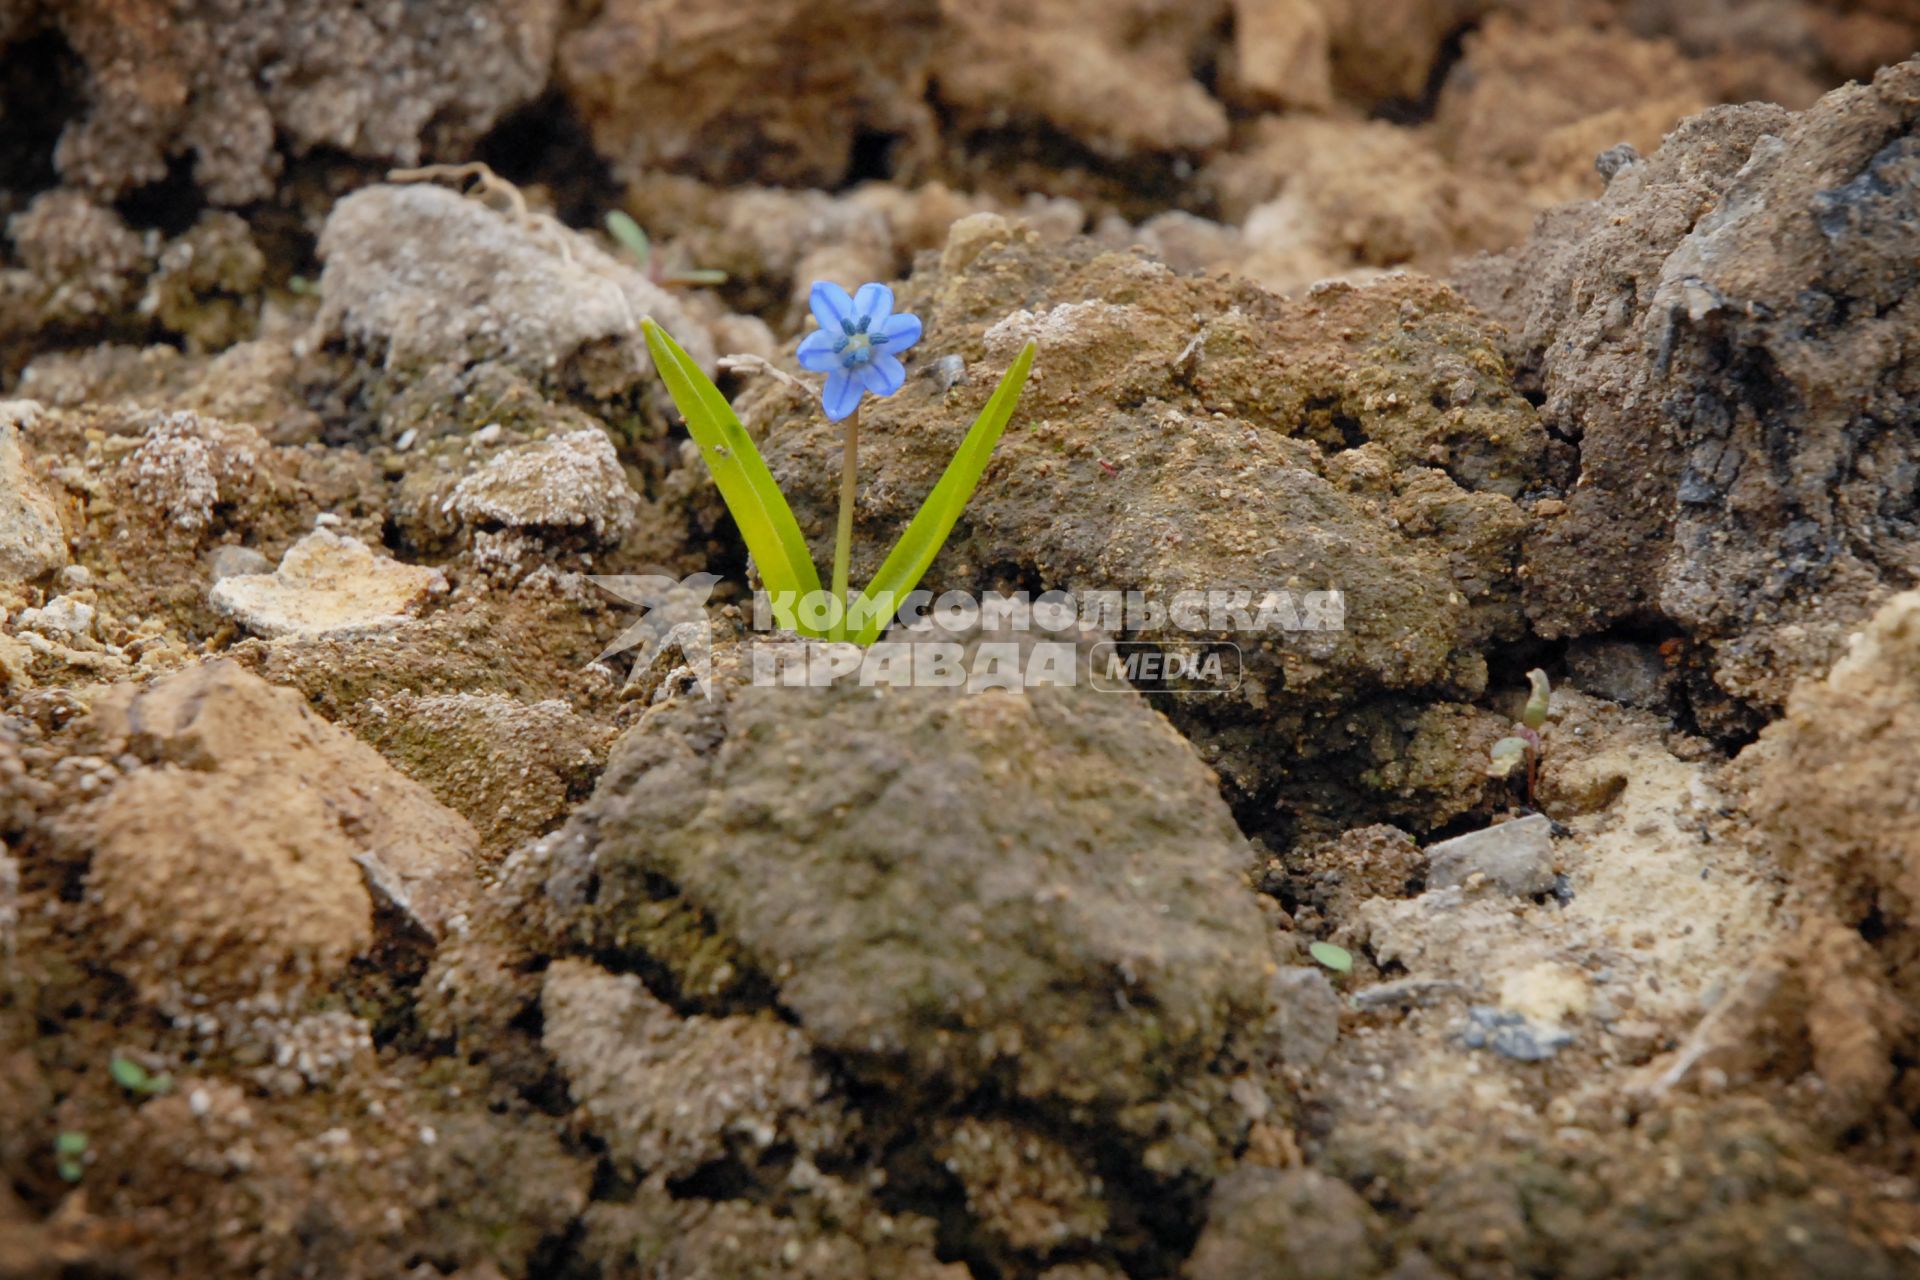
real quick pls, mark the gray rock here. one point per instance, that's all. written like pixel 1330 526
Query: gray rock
pixel 1512 1035
pixel 1407 992
pixel 1628 673
pixel 949 371
pixel 1517 856
pixel 670 1094
pixel 568 482
pixel 31 543
pixel 422 276
pixel 232 562
pixel 1041 893
pixel 1728 331
pixel 1306 1018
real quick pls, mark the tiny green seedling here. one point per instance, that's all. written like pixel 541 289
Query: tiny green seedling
pixel 629 236
pixel 70 1150
pixel 134 1078
pixel 1523 747
pixel 1338 959
pixel 858 355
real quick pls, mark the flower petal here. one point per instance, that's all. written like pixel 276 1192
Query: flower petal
pixel 831 306
pixel 842 395
pixel 898 332
pixel 883 376
pixel 874 302
pixel 817 353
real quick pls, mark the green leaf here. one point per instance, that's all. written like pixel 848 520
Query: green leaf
pixel 766 522
pixel 1505 756
pixel 1535 713
pixel 128 1074
pixel 694 276
pixel 1338 959
pixel 631 238
pixel 910 558
pixel 68 1149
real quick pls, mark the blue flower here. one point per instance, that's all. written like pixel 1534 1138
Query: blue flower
pixel 857 345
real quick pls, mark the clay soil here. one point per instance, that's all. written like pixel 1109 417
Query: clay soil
pixel 362 916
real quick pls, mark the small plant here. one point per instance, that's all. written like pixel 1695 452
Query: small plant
pixel 1522 748
pixel 1338 959
pixel 134 1078
pixel 857 346
pixel 629 236
pixel 70 1150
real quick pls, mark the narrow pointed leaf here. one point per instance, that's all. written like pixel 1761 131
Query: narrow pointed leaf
pixel 907 563
pixel 624 229
pixel 766 522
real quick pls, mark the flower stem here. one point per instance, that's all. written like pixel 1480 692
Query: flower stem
pixel 843 535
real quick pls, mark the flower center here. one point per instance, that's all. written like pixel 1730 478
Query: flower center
pixel 857 347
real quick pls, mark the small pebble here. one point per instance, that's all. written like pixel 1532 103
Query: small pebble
pixel 1512 1036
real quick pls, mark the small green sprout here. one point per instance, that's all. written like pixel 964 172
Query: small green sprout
pixel 1338 959
pixel 1535 714
pixel 1507 755
pixel 1523 747
pixel 134 1078
pixel 70 1149
pixel 629 236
